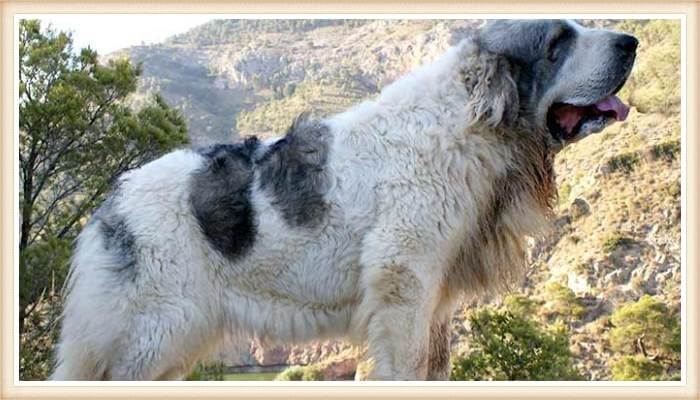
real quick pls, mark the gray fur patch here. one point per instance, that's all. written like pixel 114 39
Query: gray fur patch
pixel 118 240
pixel 220 197
pixel 523 41
pixel 293 171
pixel 527 45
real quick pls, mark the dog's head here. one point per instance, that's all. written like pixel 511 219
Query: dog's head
pixel 565 76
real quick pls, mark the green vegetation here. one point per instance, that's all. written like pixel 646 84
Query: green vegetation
pixel 564 193
pixel 637 368
pixel 668 150
pixel 521 305
pixel 508 346
pixel 615 241
pixel 654 85
pixel 648 330
pixel 251 376
pixel 301 373
pixel 207 372
pixel 624 162
pixel 275 116
pixel 646 326
pixel 561 302
pixel 76 135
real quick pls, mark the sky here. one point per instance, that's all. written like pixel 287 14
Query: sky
pixel 106 33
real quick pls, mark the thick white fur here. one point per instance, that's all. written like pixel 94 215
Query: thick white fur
pixel 411 173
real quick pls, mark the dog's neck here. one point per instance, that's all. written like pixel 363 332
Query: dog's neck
pixel 519 205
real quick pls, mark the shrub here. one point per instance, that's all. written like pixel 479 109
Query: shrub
pixel 668 150
pixel 293 373
pixel 301 373
pixel 312 373
pixel 506 346
pixel 674 189
pixel 562 302
pixel 520 305
pixel 625 162
pixel 208 372
pixel 616 241
pixel 44 266
pixel 637 368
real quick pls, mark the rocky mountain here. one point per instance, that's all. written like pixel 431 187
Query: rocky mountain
pixel 617 232
pixel 238 77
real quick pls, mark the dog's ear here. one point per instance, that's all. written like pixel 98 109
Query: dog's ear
pixel 521 41
pixel 490 80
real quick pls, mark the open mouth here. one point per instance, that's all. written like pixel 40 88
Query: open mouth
pixel 569 122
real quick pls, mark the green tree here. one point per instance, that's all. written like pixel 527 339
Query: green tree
pixel 637 368
pixel 646 327
pixel 77 133
pixel 647 338
pixel 508 346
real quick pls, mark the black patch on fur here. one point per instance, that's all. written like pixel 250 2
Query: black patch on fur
pixel 293 171
pixel 220 197
pixel 118 240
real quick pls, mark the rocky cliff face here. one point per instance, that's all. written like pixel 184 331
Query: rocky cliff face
pixel 617 234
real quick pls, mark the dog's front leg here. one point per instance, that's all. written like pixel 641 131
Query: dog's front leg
pixel 399 306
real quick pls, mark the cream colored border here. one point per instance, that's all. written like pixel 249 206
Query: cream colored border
pixel 688 388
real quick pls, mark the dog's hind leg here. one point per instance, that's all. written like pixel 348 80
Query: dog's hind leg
pixel 76 362
pixel 163 346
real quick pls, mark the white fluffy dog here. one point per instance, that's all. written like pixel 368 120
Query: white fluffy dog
pixel 370 224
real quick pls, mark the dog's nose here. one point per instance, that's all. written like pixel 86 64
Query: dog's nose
pixel 627 43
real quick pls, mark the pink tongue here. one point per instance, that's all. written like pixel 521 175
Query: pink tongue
pixel 613 103
pixel 568 116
